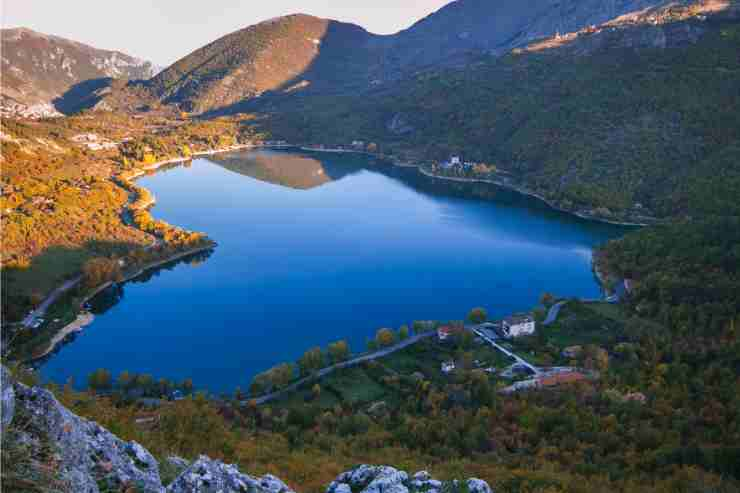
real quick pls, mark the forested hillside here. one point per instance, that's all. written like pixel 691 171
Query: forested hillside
pixel 687 274
pixel 633 116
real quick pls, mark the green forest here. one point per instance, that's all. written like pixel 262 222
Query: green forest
pixel 650 131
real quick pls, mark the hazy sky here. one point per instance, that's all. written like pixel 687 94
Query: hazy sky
pixel 164 30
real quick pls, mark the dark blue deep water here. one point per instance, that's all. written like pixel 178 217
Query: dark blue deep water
pixel 319 247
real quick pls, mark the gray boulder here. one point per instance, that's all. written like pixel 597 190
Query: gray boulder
pixel 211 476
pixel 476 485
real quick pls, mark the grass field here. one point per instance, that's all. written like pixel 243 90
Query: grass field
pixel 386 379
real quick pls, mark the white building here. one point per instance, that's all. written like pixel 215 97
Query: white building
pixel 518 325
pixel 455 160
pixel 448 367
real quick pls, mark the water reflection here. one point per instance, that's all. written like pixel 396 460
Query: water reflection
pixel 292 170
pixel 110 297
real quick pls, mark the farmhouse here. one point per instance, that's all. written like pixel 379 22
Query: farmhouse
pixel 518 325
pixel 445 332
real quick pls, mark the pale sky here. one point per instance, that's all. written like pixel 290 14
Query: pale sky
pixel 165 30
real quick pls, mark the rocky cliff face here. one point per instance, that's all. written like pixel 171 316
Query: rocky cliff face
pixel 87 458
pixel 38 69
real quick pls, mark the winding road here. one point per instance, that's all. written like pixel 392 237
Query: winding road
pixel 344 364
pixel 552 313
pixel 478 330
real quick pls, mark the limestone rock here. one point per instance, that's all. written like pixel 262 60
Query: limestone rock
pixel 385 479
pixel 89 454
pixel 211 476
pixel 7 398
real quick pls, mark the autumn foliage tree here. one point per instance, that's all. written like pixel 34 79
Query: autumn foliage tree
pixel 99 270
pixel 338 351
pixel 385 338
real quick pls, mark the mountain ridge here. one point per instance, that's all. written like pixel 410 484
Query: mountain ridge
pixel 307 55
pixel 40 69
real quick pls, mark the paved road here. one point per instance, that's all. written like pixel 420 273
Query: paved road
pixel 552 313
pixel 491 341
pixel 345 364
pixel 41 309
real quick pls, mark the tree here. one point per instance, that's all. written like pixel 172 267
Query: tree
pixel 99 270
pixel 164 387
pixel 312 360
pixel 281 375
pixel 145 382
pixel 465 339
pixel 403 333
pixel 477 315
pixel 187 386
pixel 385 338
pixel 338 351
pixel 238 394
pixel 99 380
pixel 124 380
pixel 547 299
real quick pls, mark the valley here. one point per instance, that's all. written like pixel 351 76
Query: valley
pixel 500 244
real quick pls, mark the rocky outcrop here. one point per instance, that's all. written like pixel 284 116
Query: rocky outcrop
pixel 90 459
pixel 211 476
pixel 386 479
pixel 7 399
pixel 89 456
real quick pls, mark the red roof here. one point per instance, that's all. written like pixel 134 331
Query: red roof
pixel 559 378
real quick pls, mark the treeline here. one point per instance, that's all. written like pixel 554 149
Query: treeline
pixel 131 385
pixel 314 359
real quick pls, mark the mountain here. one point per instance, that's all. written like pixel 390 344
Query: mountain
pixel 465 27
pixel 304 55
pixel 636 117
pixel 283 54
pixel 43 74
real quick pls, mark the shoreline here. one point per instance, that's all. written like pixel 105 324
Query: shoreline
pixel 152 265
pixel 528 193
pixel 519 189
pixel 74 325
pixel 79 323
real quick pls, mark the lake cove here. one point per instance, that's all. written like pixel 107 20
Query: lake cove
pixel 316 247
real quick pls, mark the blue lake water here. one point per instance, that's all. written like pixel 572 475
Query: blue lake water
pixel 313 248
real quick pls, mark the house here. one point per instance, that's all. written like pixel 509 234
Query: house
pixel 448 367
pixel 455 160
pixel 445 332
pixel 518 325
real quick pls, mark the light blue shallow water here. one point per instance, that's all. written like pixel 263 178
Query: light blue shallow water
pixel 319 247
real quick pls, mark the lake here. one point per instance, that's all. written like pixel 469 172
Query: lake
pixel 317 247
